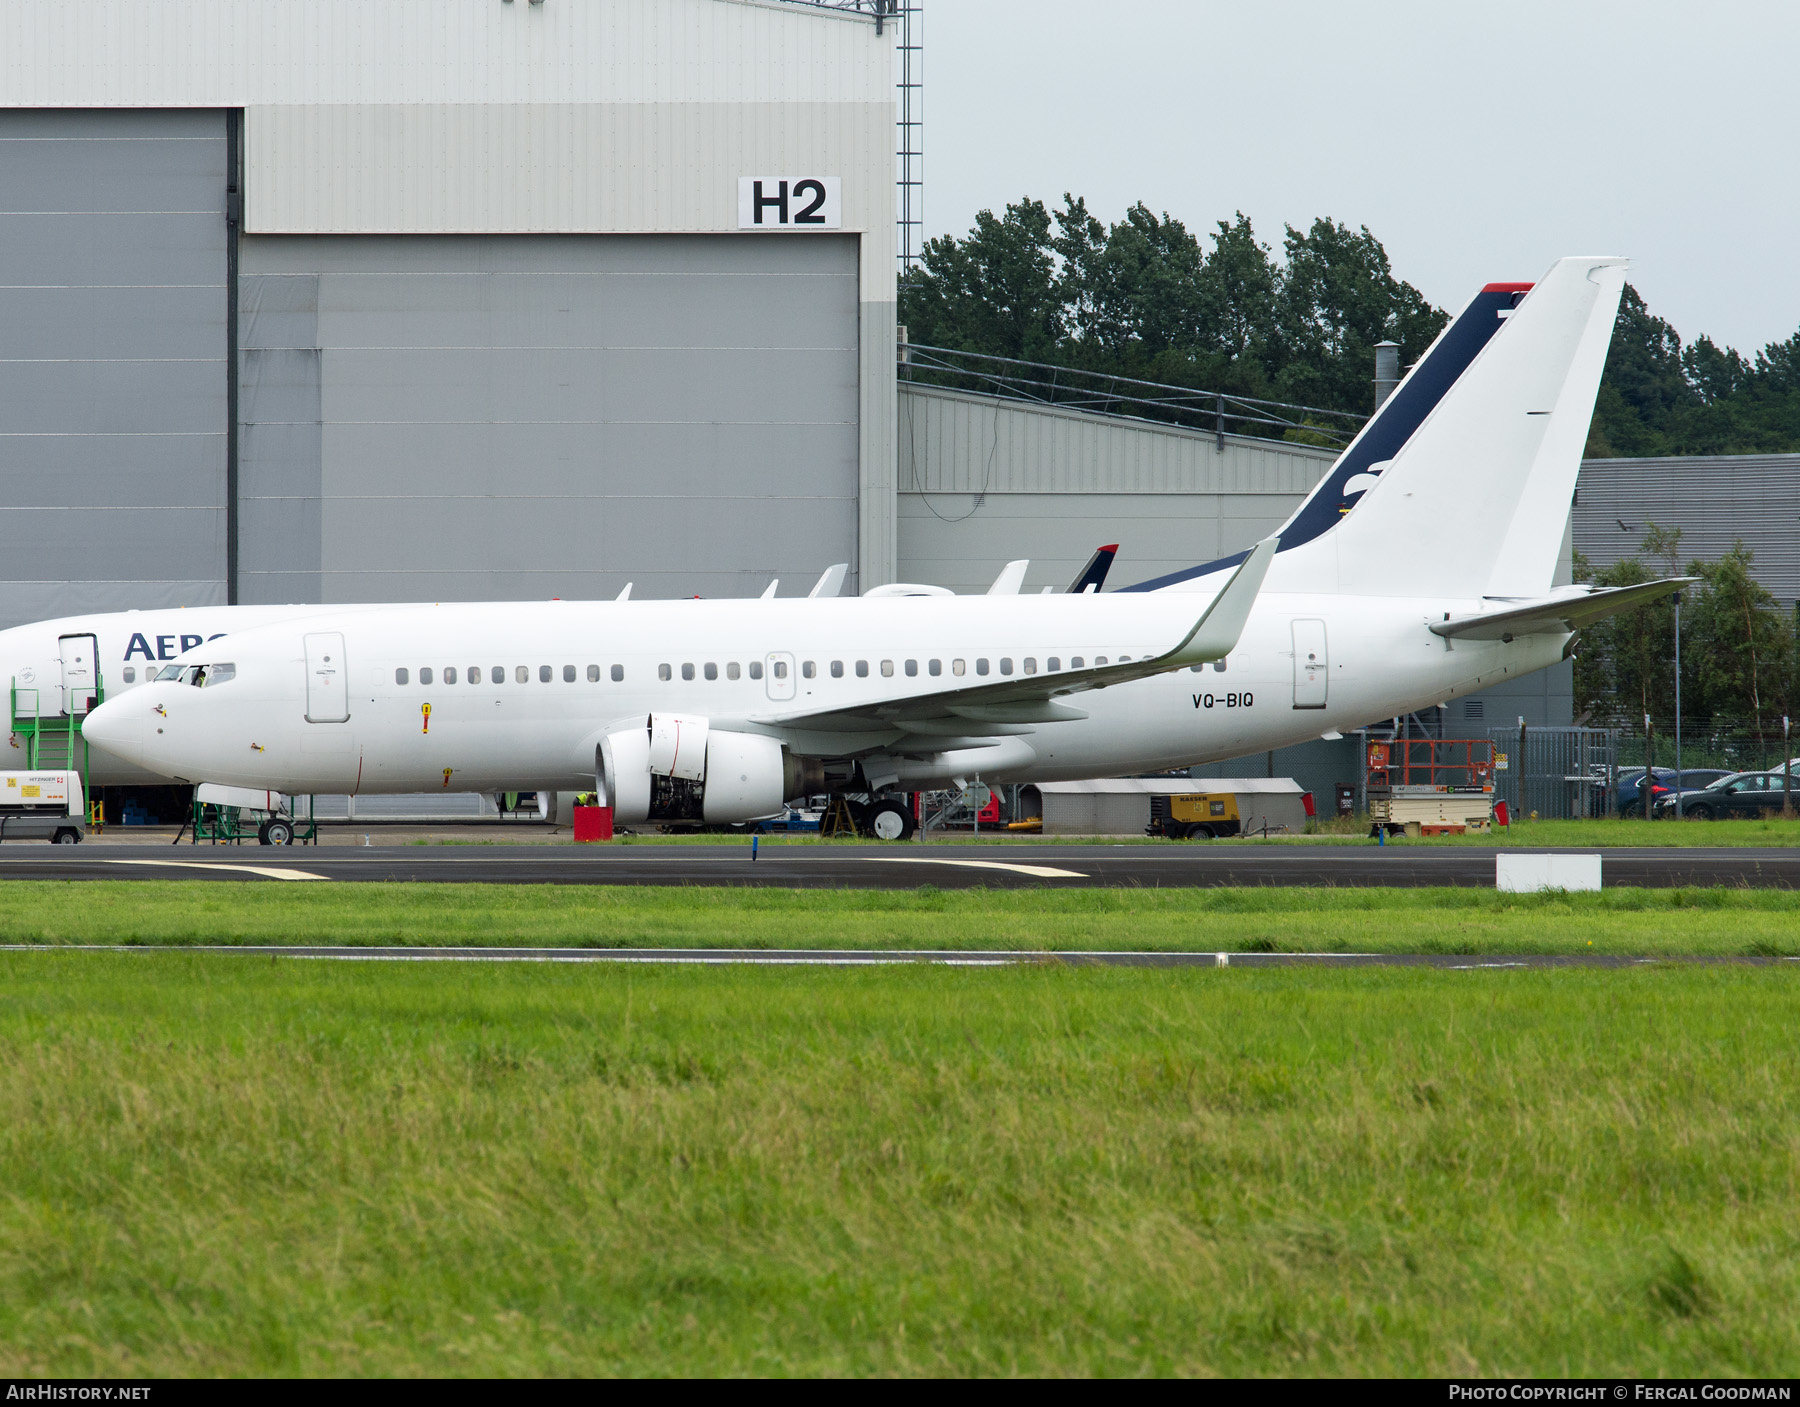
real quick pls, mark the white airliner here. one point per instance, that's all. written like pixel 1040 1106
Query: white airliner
pixel 1418 570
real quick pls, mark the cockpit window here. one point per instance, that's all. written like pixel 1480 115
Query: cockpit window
pixel 201 676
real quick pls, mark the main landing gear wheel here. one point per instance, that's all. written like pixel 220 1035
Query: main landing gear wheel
pixel 275 832
pixel 889 820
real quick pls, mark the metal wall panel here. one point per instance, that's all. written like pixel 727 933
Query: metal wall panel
pixel 1716 501
pixel 112 361
pixel 983 480
pixel 521 416
pixel 955 442
pixel 224 53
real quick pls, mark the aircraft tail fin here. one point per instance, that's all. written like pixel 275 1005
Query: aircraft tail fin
pixel 1475 502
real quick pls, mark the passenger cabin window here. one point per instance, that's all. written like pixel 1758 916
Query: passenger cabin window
pixel 862 669
pixel 781 670
pixel 402 676
pixel 449 674
pixel 1006 664
pixel 956 667
pixel 1030 665
pixel 687 671
pixel 712 670
pixel 935 668
pixel 1124 659
pixel 425 675
pixel 1219 666
pixel 1099 660
pixel 756 669
pixel 131 675
pixel 837 669
pixel 568 674
pixel 664 673
pixel 981 666
pixel 593 674
pixel 1075 662
pixel 1052 664
pixel 912 669
pixel 618 673
pixel 543 674
pixel 522 674
pixel 808 669
pixel 887 669
pixel 474 674
pixel 731 669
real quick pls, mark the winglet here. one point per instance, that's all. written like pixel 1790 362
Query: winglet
pixel 624 595
pixel 831 581
pixel 1216 633
pixel 1011 578
pixel 1093 576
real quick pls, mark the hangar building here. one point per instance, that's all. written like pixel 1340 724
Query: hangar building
pixel 324 300
pixel 442 299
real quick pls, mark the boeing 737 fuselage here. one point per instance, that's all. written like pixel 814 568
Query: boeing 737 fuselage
pixel 1418 570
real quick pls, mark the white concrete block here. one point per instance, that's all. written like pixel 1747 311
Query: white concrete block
pixel 1529 874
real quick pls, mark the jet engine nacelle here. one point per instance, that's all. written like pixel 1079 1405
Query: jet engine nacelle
pixel 679 768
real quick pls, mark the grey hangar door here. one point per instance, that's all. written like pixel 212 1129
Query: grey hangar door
pixel 113 300
pixel 473 417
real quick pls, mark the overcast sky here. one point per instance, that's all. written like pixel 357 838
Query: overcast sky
pixel 1477 141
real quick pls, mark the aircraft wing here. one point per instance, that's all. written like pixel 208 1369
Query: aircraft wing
pixel 1010 706
pixel 1557 615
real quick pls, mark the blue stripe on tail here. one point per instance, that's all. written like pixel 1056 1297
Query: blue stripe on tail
pixel 1390 428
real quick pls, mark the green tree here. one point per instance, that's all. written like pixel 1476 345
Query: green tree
pixel 996 291
pixel 1743 645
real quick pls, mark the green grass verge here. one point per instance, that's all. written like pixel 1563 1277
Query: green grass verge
pixel 213 1165
pixel 1617 921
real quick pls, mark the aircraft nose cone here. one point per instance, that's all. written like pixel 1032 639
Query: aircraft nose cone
pixel 118 726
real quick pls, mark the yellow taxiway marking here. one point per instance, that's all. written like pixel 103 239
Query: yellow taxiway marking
pixel 266 871
pixel 1037 871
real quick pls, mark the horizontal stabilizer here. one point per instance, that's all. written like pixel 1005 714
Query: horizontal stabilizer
pixel 1557 615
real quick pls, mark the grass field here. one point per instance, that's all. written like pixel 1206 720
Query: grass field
pixel 219 1165
pixel 1616 921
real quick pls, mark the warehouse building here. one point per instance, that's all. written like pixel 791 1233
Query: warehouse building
pixel 1715 501
pixel 442 299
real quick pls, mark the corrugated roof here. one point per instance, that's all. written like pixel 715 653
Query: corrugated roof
pixel 1715 500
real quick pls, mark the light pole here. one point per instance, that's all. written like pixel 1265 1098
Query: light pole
pixel 1677 600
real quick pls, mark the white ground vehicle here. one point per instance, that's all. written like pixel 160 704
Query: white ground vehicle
pixel 42 806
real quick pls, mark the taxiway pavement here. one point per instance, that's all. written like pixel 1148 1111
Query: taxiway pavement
pixel 884 867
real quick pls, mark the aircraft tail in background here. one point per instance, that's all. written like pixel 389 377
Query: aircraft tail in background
pixel 1475 501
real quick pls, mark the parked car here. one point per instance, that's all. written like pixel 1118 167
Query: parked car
pixel 1631 783
pixel 1741 794
pixel 1692 779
